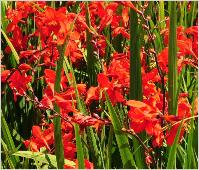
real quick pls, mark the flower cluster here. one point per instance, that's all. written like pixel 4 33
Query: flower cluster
pixel 37 62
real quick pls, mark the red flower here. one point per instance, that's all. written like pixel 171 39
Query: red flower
pixel 121 30
pixel 19 83
pixel 50 76
pixel 113 91
pixel 24 67
pixel 184 111
pixel 144 117
pixel 40 138
pixel 92 94
pixel 4 75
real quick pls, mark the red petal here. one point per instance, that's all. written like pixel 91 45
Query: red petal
pixel 4 75
pixel 103 80
pixel 135 103
pixel 36 131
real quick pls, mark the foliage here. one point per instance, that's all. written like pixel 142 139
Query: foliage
pixel 99 84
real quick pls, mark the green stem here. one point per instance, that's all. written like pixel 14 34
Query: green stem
pixel 80 153
pixel 90 55
pixel 135 63
pixel 59 150
pixel 135 74
pixel 161 15
pixel 172 75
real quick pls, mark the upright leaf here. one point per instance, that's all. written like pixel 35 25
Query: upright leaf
pixel 172 61
pixel 135 74
pixel 80 154
pixel 91 59
pixel 7 138
pixel 121 138
pixel 171 163
pixel 16 56
pixel 59 150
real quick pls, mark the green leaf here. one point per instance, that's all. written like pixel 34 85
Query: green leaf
pixel 3 14
pixel 91 59
pixel 181 154
pixel 192 14
pixel 172 73
pixel 183 7
pixel 109 148
pixel 7 137
pixel 135 61
pixel 80 154
pixel 135 75
pixel 190 157
pixel 43 158
pixel 91 137
pixel 173 149
pixel 121 138
pixel 16 56
pixel 161 14
pixel 8 158
pixel 59 151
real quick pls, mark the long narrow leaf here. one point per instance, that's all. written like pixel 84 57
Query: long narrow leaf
pixel 190 157
pixel 16 56
pixel 91 137
pixel 6 152
pixel 80 154
pixel 91 59
pixel 6 136
pixel 3 14
pixel 171 163
pixel 135 63
pixel 59 151
pixel 172 77
pixel 44 158
pixel 161 15
pixel 135 74
pixel 122 140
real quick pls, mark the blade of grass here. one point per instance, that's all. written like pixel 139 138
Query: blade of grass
pixel 192 13
pixel 135 63
pixel 182 13
pixel 44 158
pixel 172 64
pixel 80 154
pixel 161 14
pixel 118 40
pixel 121 138
pixel 171 163
pixel 181 154
pixel 8 158
pixel 91 59
pixel 108 50
pixel 189 158
pixel 7 137
pixel 59 151
pixel 135 74
pixel 3 14
pixel 109 148
pixel 91 137
pixel 16 56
